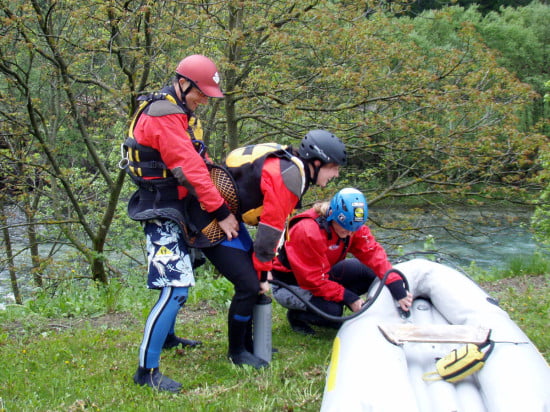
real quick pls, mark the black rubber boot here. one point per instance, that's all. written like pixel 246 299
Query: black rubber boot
pixel 156 380
pixel 248 337
pixel 247 358
pixel 299 322
pixel 238 353
pixel 172 341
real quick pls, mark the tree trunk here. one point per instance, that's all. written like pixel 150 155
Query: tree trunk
pixel 98 262
pixel 9 255
pixel 30 210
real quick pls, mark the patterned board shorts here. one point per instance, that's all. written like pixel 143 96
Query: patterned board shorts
pixel 167 256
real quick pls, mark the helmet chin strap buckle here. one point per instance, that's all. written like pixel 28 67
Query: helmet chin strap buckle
pixel 316 170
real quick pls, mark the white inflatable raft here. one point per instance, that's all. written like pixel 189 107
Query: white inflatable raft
pixel 369 373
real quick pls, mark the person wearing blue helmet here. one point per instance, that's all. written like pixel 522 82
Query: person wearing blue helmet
pixel 312 261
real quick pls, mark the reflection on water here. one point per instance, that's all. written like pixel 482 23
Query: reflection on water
pixel 488 238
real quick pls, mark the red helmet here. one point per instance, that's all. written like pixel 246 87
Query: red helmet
pixel 202 72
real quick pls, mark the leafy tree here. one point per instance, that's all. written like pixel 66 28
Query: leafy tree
pixel 54 67
pixel 9 253
pixel 423 117
pixel 541 218
pixel 522 38
pixel 485 6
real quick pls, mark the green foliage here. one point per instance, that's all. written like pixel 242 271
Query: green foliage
pixel 96 358
pixel 519 36
pixel 424 107
pixel 478 274
pixel 522 37
pixel 77 298
pixel 540 221
pixel 212 288
pixel 484 6
pixel 86 363
pixel 537 264
pixel 74 296
pixel 528 305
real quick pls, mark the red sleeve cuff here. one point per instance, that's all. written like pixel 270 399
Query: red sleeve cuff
pixel 261 266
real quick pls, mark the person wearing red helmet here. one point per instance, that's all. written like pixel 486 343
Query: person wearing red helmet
pixel 313 262
pixel 202 74
pixel 162 158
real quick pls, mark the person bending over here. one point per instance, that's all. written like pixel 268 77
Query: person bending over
pixel 271 180
pixel 313 262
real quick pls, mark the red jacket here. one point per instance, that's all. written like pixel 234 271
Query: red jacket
pixel 312 254
pixel 168 134
pixel 279 201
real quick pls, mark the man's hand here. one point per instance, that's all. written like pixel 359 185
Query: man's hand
pixel 356 306
pixel 406 302
pixel 265 286
pixel 230 226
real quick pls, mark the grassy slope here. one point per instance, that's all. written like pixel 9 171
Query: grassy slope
pixel 60 365
pixel 87 364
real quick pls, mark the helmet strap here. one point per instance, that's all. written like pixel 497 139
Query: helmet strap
pixel 186 91
pixel 316 169
pixel 346 245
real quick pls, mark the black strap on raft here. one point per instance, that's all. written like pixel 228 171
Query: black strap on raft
pixel 342 319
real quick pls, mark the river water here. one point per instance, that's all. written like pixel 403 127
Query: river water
pixel 488 238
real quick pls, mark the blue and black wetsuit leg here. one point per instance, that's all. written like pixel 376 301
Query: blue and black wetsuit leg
pixel 159 323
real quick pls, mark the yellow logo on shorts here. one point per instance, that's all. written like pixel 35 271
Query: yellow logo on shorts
pixel 163 251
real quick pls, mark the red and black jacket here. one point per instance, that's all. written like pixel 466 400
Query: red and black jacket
pixel 270 187
pixel 313 248
pixel 162 153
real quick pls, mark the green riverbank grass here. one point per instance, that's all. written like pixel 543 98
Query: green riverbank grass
pixel 85 361
pixel 88 365
pixel 523 291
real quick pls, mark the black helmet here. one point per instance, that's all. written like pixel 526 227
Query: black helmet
pixel 324 146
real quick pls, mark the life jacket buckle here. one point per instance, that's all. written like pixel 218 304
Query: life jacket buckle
pixel 123 162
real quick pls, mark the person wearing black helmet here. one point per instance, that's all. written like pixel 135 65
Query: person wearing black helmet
pixel 271 179
pixel 161 157
pixel 324 153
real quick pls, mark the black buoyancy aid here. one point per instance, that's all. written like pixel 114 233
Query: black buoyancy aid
pixel 245 165
pixel 144 164
pixel 158 197
pixel 323 224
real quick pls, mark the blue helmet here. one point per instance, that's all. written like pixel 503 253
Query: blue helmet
pixel 349 209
